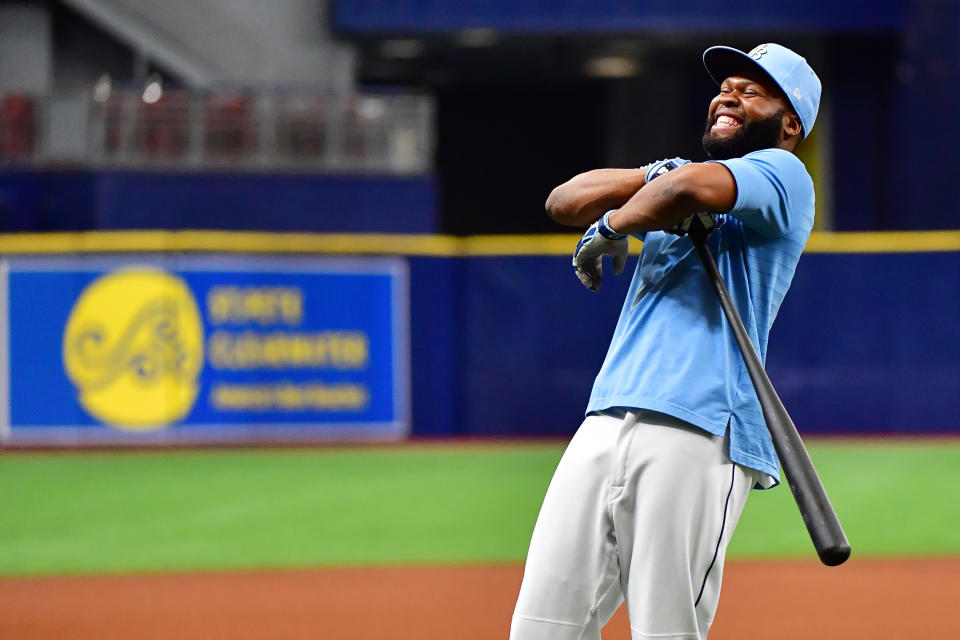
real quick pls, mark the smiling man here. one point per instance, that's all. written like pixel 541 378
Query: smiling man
pixel 645 499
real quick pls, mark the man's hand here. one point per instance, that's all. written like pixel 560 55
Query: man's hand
pixel 699 224
pixel 598 241
pixel 661 167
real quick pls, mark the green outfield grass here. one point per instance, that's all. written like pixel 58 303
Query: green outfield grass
pixel 183 510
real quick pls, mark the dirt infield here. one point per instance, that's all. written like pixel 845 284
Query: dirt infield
pixel 794 600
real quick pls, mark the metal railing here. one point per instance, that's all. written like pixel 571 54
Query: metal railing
pixel 385 133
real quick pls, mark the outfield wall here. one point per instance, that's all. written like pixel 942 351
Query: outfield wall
pixel 864 343
pixel 84 199
pixel 503 340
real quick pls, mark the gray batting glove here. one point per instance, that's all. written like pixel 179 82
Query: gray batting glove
pixel 598 241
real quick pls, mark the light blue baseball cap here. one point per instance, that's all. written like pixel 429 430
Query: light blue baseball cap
pixel 789 70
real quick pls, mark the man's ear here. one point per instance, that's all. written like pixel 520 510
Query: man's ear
pixel 791 125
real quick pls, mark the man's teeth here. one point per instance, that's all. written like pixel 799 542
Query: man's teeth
pixel 727 121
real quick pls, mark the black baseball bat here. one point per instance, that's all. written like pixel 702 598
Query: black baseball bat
pixel 818 514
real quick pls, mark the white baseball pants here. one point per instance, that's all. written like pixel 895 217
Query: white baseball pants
pixel 641 508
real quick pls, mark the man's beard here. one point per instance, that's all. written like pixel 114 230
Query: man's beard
pixel 751 136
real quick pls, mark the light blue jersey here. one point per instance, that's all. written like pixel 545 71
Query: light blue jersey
pixel 672 350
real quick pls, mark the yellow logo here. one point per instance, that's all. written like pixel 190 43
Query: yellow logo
pixel 133 348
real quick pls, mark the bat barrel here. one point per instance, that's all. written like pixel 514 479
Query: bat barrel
pixel 818 514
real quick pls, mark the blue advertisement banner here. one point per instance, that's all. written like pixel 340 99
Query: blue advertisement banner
pixel 176 348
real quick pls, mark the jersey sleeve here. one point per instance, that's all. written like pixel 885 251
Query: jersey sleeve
pixel 773 191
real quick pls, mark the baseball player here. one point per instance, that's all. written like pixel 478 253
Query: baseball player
pixel 645 499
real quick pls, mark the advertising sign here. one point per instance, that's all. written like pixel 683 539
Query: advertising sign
pixel 175 348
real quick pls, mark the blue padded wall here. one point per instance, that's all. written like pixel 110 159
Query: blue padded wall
pixel 510 345
pixel 39 200
pixel 871 344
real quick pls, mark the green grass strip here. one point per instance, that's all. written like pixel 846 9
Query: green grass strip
pixel 191 510
pixel 188 510
pixel 892 497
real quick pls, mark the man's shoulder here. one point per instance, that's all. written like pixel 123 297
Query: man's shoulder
pixel 774 191
pixel 782 163
pixel 776 156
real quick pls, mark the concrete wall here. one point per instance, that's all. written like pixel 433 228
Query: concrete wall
pixel 26 50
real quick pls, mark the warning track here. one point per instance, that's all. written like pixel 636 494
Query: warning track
pixel 788 600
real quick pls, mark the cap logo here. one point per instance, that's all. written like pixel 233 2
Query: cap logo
pixel 757 52
pixel 796 93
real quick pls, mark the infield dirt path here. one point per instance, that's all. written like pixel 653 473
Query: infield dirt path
pixel 795 600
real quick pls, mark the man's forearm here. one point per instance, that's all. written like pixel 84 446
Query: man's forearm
pixel 672 197
pixel 584 198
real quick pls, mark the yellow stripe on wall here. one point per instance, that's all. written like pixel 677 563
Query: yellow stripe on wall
pixel 413 244
pixel 884 242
